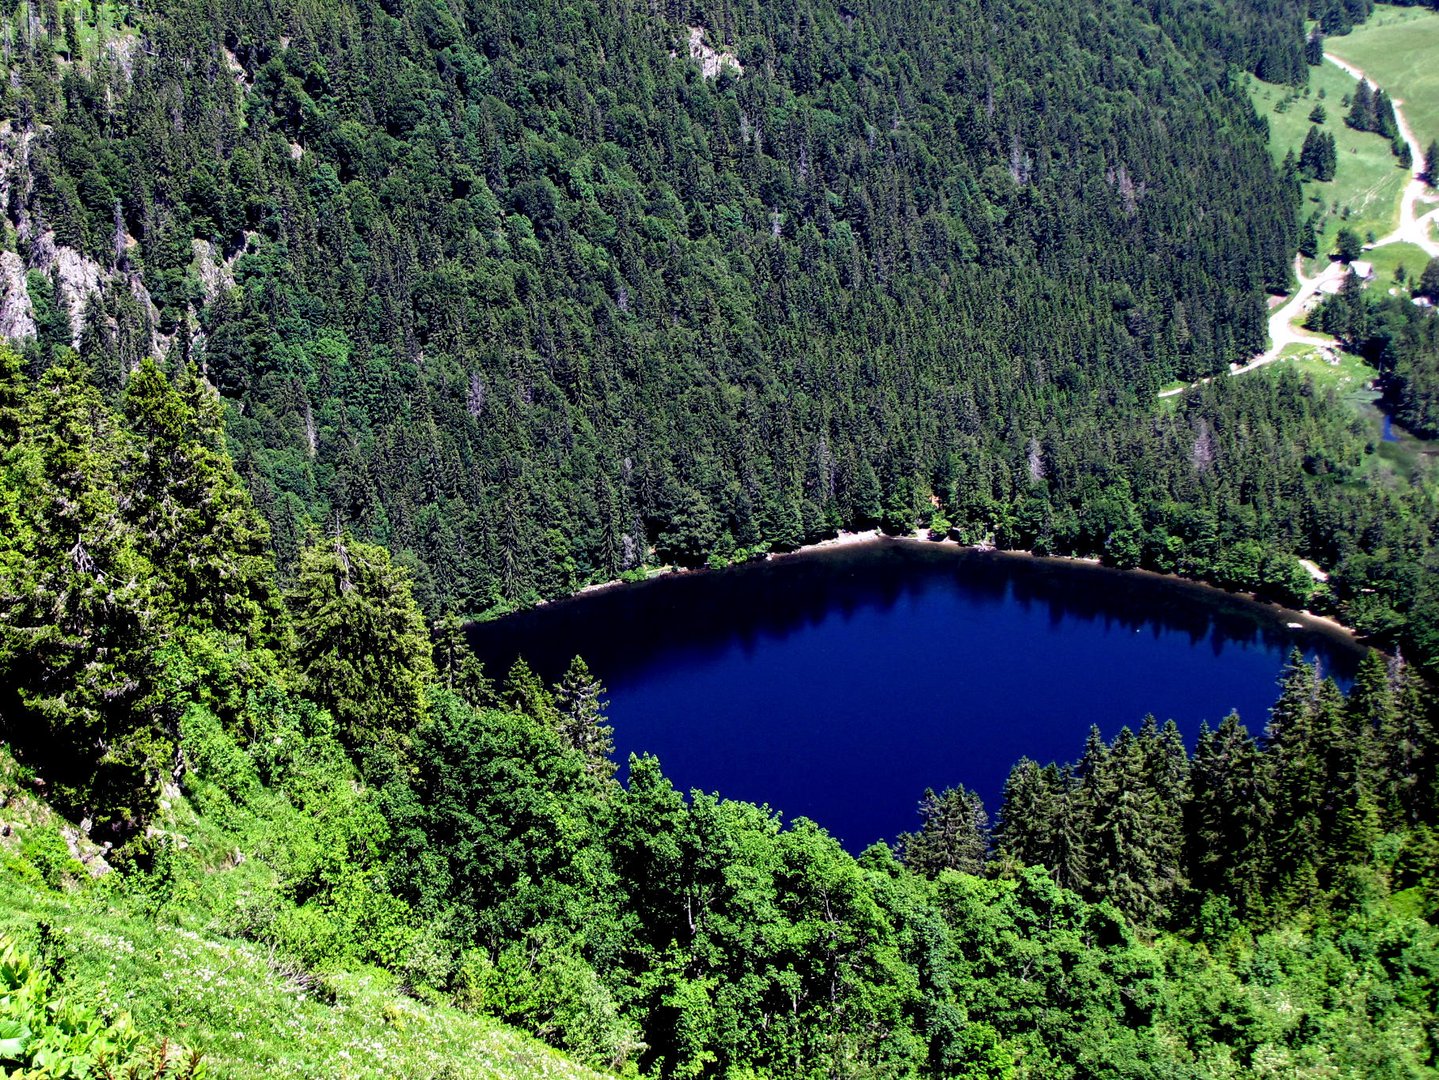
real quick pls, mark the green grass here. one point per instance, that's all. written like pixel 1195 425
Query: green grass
pixel 1364 194
pixel 1399 49
pixel 1389 258
pixel 1351 376
pixel 166 958
pixel 252 1015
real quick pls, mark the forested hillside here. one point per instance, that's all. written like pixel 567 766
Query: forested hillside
pixel 337 320
pixel 320 819
pixel 518 291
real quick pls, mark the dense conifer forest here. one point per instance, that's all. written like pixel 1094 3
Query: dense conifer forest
pixel 340 786
pixel 337 321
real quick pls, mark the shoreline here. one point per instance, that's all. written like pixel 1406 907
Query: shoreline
pixel 1326 623
pixel 1293 618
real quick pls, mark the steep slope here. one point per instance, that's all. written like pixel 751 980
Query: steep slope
pixel 525 290
pixel 112 949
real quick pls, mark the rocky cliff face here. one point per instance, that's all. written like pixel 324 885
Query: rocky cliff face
pixel 32 246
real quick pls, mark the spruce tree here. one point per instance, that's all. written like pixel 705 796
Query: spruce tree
pixel 1370 709
pixel 954 835
pixel 1411 750
pixel 580 703
pixel 1384 121
pixel 193 517
pixel 1296 774
pixel 525 692
pixel 360 641
pixel 1023 832
pixel 1348 816
pixel 1311 154
pixel 1229 816
pixel 79 623
pixel 1361 109
pixel 1428 286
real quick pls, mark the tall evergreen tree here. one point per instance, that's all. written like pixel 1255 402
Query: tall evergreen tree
pixel 579 700
pixel 1296 776
pixel 193 517
pixel 954 834
pixel 1361 109
pixel 79 625
pixel 1229 821
pixel 1384 121
pixel 360 641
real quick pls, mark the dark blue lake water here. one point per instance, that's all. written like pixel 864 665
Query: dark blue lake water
pixel 840 684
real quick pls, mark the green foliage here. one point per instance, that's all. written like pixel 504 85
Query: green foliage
pixel 189 510
pixel 532 301
pixel 361 642
pixel 1400 340
pixel 579 700
pixel 79 618
pixel 42 1034
pixel 44 849
pixel 1348 246
pixel 518 295
pixel 955 835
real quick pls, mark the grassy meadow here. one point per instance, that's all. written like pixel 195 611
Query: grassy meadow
pixel 1399 49
pixel 1364 194
pixel 1388 259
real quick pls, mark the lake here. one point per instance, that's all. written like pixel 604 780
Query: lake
pixel 839 683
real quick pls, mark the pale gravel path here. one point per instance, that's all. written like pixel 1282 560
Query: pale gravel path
pixel 1414 228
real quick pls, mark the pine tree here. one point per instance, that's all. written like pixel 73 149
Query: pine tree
pixel 1347 813
pixel 1229 816
pixel 1311 154
pixel 449 647
pixel 1296 774
pixel 1136 791
pixel 525 692
pixel 1314 49
pixel 1411 750
pixel 954 835
pixel 1361 110
pixel 1431 164
pixel 79 626
pixel 360 641
pixel 1384 121
pixel 1428 286
pixel 1370 711
pixel 1347 246
pixel 193 517
pixel 579 700
pixel 1023 833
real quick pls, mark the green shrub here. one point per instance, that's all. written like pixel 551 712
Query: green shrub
pixel 46 851
pixel 45 1035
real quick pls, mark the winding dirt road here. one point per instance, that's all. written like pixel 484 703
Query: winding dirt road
pixel 1414 228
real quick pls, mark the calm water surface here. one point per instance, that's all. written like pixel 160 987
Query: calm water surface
pixel 840 684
